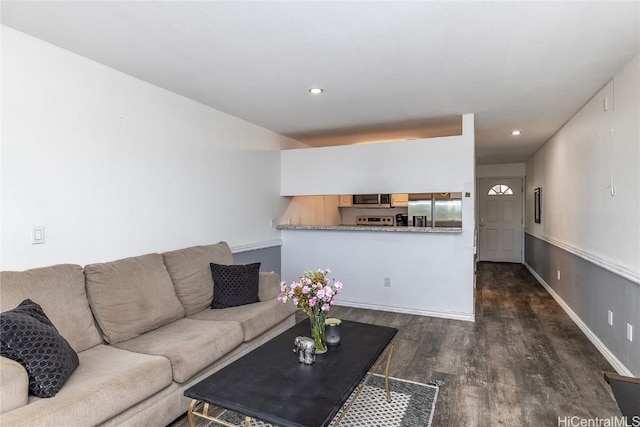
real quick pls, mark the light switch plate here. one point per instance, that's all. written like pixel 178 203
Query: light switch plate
pixel 37 235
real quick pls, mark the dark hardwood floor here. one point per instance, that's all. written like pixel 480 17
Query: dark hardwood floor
pixel 523 362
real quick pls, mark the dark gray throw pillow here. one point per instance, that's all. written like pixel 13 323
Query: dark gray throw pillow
pixel 234 285
pixel 28 337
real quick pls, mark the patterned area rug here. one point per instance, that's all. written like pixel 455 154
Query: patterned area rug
pixel 412 405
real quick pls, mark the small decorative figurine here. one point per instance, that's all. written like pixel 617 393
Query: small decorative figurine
pixel 306 349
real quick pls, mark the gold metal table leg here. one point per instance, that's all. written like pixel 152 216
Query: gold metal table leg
pixel 192 418
pixel 193 413
pixel 386 372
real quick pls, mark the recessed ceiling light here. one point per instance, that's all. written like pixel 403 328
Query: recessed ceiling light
pixel 516 132
pixel 316 90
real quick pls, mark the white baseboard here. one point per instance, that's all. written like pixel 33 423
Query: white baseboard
pixel 611 358
pixel 469 317
pixel 256 246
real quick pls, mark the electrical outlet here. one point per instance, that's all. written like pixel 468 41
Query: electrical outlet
pixel 387 282
pixel 558 274
pixel 629 332
pixel 610 317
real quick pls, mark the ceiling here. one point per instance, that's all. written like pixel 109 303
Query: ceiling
pixel 390 70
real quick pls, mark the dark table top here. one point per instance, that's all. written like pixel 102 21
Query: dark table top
pixel 270 384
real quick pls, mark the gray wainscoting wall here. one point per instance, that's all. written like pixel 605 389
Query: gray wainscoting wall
pixel 268 257
pixel 590 290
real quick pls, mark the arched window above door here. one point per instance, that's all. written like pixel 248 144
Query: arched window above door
pixel 500 190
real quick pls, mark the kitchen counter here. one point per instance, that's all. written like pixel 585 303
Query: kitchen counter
pixel 387 229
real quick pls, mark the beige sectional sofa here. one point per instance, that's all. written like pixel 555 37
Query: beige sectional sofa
pixel 143 331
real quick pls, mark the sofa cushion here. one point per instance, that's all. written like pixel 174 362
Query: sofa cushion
pixel 14 389
pixel 60 291
pixel 28 337
pixel 190 345
pixel 107 382
pixel 268 286
pixel 191 275
pixel 255 318
pixel 234 285
pixel 131 296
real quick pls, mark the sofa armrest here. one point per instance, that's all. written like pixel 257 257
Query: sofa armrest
pixel 14 392
pixel 268 286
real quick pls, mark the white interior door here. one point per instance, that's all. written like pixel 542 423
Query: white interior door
pixel 500 214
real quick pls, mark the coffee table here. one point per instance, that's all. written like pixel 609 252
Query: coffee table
pixel 271 385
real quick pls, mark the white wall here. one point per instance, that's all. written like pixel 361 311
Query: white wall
pixel 113 166
pixel 431 273
pixel 503 170
pixel 574 170
pixel 421 165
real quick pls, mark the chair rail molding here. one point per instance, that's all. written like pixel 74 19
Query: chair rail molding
pixel 613 267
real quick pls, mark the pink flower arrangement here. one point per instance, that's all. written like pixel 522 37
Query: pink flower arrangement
pixel 313 293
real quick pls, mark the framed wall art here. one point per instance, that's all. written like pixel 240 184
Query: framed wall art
pixel 537 204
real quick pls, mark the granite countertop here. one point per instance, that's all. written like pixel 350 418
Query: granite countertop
pixel 371 228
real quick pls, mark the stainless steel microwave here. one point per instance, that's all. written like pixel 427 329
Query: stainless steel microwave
pixel 371 200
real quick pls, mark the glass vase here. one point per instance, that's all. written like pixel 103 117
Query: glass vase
pixel 318 332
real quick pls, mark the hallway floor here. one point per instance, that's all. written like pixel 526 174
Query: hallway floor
pixel 523 362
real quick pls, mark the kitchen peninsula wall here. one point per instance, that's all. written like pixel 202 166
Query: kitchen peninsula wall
pixel 429 273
